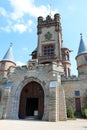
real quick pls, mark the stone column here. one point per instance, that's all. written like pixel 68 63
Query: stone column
pixel 62 105
pixel 5 99
pixel 53 106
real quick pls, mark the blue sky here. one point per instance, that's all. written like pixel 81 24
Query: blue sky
pixel 18 24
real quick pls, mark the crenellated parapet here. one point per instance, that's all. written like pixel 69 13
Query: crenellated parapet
pixel 71 78
pixel 48 22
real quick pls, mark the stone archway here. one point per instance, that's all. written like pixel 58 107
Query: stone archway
pixel 31 101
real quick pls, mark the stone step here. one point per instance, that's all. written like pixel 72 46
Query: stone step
pixel 31 118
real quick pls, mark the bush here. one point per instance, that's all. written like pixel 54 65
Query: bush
pixel 70 112
pixel 84 112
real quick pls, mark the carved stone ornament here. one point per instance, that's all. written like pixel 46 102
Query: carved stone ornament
pixel 30 66
pixel 48 36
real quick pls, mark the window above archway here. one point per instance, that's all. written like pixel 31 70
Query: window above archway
pixel 48 50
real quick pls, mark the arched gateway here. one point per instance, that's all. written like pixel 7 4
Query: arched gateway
pixel 31 101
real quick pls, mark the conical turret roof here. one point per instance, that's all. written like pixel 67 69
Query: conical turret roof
pixel 9 55
pixel 82 47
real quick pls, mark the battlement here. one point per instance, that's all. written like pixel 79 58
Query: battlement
pixel 49 19
pixel 71 78
pixel 48 22
pixel 17 69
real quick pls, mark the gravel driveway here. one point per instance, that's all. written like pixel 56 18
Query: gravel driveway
pixel 78 124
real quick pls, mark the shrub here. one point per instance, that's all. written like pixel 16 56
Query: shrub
pixel 84 112
pixel 70 112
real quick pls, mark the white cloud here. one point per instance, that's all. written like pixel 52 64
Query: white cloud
pixel 23 27
pixel 6 29
pixel 21 5
pixel 3 12
pixel 27 6
pixel 30 22
pixel 25 49
pixel 15 20
pixel 16 16
pixel 30 25
pixel 19 63
pixel 19 28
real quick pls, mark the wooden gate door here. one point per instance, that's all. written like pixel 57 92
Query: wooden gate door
pixel 78 104
pixel 31 100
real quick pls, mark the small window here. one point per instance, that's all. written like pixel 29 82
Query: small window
pixel 77 93
pixel 48 50
pixel 86 58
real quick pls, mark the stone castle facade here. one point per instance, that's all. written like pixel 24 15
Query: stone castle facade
pixel 44 88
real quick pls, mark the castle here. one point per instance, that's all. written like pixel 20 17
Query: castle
pixel 44 88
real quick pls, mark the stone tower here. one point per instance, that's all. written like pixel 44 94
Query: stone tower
pixel 49 54
pixel 66 61
pixel 50 44
pixel 6 62
pixel 49 39
pixel 81 58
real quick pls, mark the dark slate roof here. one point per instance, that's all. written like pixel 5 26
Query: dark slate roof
pixel 82 47
pixel 9 55
pixel 35 49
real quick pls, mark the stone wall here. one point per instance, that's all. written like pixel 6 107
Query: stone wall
pixel 62 105
pixel 71 85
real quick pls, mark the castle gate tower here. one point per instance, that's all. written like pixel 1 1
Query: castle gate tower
pixel 49 39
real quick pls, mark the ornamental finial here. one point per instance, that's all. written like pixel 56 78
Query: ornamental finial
pixel 81 35
pixel 11 44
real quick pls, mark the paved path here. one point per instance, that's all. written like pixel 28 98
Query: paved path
pixel 78 124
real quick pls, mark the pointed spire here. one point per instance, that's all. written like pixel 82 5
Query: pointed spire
pixel 9 54
pixel 82 46
pixel 11 44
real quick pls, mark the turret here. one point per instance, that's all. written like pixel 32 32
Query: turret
pixel 81 57
pixel 7 62
pixel 34 54
pixel 66 61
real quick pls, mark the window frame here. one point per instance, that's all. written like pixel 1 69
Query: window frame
pixel 48 50
pixel 85 58
pixel 77 93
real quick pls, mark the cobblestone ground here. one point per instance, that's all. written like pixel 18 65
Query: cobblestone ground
pixel 78 124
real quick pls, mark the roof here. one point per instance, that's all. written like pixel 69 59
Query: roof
pixel 35 49
pixel 65 48
pixel 82 47
pixel 9 55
